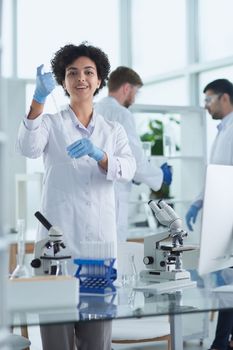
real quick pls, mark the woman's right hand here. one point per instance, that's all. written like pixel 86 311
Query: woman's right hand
pixel 45 84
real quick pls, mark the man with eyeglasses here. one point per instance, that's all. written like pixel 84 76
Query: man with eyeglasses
pixel 123 85
pixel 219 103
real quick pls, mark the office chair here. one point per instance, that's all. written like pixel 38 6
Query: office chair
pixel 143 330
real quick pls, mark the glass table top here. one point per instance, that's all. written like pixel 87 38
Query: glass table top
pixel 128 303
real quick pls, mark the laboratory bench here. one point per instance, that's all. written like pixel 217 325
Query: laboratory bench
pixel 128 303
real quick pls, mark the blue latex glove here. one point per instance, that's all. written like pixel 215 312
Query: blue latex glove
pixel 191 216
pixel 167 174
pixel 44 85
pixel 84 147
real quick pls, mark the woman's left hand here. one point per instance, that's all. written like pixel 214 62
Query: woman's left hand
pixel 84 147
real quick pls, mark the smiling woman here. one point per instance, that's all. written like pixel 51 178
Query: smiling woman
pixel 81 77
pixel 79 200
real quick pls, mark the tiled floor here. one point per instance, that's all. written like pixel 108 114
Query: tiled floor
pixel 193 344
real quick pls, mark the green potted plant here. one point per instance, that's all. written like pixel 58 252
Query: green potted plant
pixel 155 136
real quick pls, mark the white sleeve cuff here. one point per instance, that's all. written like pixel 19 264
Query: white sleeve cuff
pixel 32 124
pixel 114 169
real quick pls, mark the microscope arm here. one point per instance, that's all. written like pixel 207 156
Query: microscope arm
pixel 54 232
pixel 55 235
pixel 43 220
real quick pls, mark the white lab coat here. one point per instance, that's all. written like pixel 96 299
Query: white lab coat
pixel 146 172
pixel 222 154
pixel 79 200
pixel 222 147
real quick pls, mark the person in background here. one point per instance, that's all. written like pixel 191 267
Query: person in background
pixel 84 155
pixel 123 85
pixel 224 330
pixel 219 104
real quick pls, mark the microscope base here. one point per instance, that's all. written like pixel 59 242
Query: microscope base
pixel 157 276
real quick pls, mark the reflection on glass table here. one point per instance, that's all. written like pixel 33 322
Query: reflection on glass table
pixel 128 304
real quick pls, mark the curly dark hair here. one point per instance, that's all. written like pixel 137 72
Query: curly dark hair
pixel 69 53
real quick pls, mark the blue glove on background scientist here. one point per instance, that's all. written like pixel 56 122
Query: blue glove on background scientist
pixel 167 174
pixel 45 84
pixel 192 213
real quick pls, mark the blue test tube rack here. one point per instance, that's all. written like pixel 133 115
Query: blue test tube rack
pixel 96 276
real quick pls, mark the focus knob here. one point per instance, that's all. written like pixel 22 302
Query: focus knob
pixel 148 260
pixel 36 263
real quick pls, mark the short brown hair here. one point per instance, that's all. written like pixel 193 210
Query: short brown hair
pixel 122 75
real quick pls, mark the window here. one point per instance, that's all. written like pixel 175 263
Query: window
pixel 44 26
pixel 171 92
pixel 6 39
pixel 216 30
pixel 159 36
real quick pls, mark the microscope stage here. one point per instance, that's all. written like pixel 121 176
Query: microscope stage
pixel 178 249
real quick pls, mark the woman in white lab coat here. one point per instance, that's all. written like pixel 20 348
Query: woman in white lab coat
pixel 83 156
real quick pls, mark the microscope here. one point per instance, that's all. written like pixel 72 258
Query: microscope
pixel 162 251
pixel 48 258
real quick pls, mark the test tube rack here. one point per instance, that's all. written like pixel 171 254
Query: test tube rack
pixel 96 276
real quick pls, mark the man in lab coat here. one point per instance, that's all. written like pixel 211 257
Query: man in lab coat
pixel 123 85
pixel 219 104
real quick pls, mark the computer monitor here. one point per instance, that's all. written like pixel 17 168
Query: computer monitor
pixel 216 241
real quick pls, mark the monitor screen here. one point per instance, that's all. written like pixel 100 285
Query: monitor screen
pixel 216 248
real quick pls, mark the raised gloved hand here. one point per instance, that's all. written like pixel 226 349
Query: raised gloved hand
pixel 84 147
pixel 191 215
pixel 45 84
pixel 167 174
